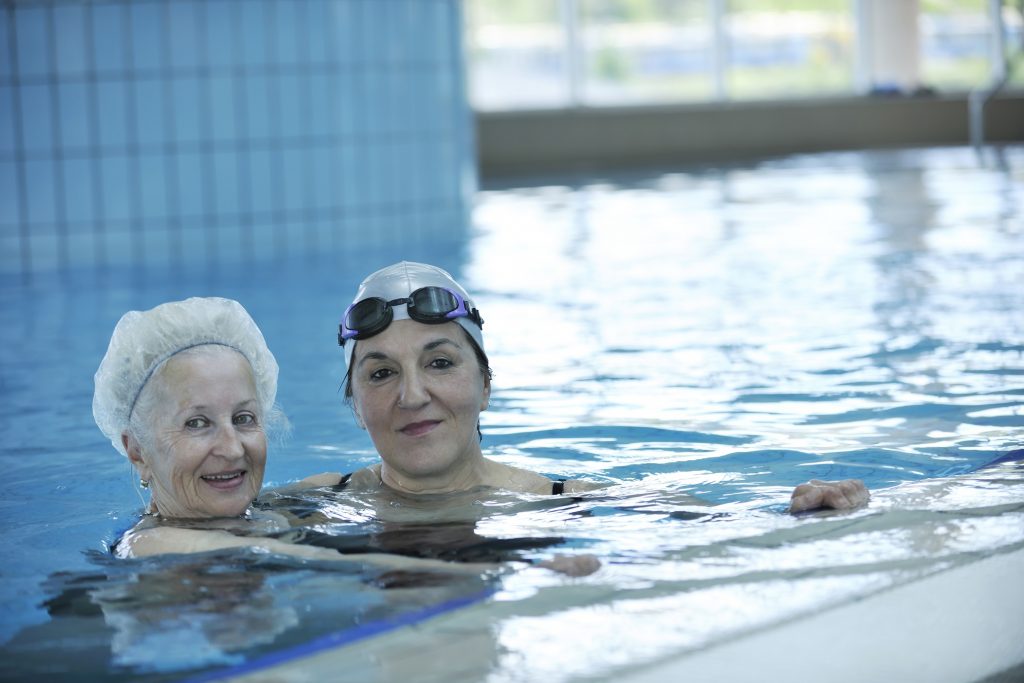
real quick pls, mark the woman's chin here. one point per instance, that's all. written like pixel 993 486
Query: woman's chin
pixel 230 506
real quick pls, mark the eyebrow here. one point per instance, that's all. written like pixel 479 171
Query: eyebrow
pixel 429 346
pixel 202 407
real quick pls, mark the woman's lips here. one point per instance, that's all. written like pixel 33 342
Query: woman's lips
pixel 419 428
pixel 225 481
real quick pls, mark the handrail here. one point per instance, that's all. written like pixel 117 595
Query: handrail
pixel 1002 70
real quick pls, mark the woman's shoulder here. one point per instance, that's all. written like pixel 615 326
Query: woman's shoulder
pixel 144 540
pixel 360 480
pixel 580 486
pixel 314 481
pixel 366 479
pixel 527 481
pixel 125 545
pixel 168 539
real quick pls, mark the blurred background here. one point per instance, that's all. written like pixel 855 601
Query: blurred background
pixel 136 132
pixel 556 53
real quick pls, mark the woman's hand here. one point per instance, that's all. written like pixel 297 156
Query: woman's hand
pixel 572 565
pixel 838 495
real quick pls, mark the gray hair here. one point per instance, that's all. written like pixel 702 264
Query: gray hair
pixel 143 341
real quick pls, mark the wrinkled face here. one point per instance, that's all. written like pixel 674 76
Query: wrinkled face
pixel 207 450
pixel 418 390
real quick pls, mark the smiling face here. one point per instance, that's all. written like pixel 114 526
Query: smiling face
pixel 418 390
pixel 205 450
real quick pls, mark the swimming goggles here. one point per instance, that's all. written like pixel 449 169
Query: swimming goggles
pixel 430 305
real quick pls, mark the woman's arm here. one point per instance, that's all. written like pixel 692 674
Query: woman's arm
pixel 815 494
pixel 581 486
pixel 172 540
pixel 166 540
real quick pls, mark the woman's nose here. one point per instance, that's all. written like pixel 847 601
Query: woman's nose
pixel 412 392
pixel 228 443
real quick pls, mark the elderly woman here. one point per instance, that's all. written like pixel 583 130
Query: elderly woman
pixel 418 379
pixel 186 391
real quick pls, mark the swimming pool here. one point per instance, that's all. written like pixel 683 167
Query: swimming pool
pixel 721 332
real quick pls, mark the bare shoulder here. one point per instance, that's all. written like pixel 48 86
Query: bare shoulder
pixel 509 478
pixel 581 486
pixel 313 481
pixel 366 479
pixel 161 540
pixel 525 481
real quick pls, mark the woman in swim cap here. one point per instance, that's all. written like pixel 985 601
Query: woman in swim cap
pixel 417 380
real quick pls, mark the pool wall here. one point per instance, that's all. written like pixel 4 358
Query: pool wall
pixel 523 143
pixel 143 132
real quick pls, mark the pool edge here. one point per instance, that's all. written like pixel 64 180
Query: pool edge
pixel 961 625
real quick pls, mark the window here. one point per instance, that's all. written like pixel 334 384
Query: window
pixel 646 51
pixel 785 48
pixel 558 53
pixel 956 42
pixel 517 49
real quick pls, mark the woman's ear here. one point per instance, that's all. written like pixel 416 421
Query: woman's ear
pixel 134 450
pixel 485 401
pixel 357 416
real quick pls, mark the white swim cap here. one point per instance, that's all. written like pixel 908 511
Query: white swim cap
pixel 142 340
pixel 400 280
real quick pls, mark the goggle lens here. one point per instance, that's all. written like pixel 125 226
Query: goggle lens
pixel 432 304
pixel 368 316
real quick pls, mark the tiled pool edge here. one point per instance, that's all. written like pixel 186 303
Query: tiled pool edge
pixel 960 625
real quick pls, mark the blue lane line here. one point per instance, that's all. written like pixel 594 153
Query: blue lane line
pixel 333 640
pixel 1011 456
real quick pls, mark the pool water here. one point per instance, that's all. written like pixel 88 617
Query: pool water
pixel 724 333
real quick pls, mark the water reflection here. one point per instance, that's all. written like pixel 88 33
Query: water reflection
pixel 680 577
pixel 757 302
pixel 724 333
pixel 162 618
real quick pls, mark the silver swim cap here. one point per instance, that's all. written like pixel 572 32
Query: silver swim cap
pixel 400 280
pixel 142 340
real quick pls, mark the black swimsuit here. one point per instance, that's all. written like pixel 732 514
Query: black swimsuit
pixel 557 486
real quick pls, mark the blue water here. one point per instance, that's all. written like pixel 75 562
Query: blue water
pixel 725 333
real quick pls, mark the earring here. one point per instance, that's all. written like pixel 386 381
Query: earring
pixel 144 483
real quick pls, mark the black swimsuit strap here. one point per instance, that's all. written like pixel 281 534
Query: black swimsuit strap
pixel 557 487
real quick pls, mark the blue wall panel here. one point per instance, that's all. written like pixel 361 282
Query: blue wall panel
pixel 143 132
